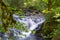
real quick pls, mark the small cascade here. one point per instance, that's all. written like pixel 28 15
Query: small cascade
pixel 31 22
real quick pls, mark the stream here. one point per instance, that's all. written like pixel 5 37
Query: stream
pixel 31 22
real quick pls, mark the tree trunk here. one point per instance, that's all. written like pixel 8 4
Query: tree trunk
pixel 49 4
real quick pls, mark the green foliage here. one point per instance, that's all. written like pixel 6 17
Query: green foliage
pixel 1 28
pixel 51 27
pixel 20 26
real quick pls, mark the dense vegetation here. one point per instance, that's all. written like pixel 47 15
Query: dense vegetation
pixel 49 8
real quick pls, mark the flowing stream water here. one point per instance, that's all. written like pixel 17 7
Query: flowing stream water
pixel 31 22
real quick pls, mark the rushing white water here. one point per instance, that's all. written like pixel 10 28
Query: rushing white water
pixel 31 22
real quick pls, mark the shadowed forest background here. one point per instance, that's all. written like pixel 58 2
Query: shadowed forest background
pixel 49 8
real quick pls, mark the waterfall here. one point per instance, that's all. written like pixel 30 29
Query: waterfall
pixel 30 21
